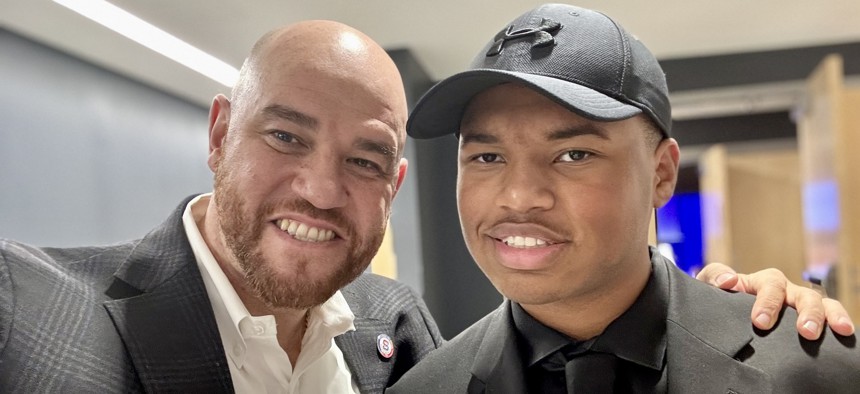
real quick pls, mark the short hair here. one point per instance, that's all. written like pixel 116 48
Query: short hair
pixel 653 134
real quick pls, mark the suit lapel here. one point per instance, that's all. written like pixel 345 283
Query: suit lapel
pixel 498 367
pixel 704 336
pixel 696 367
pixel 369 370
pixel 162 312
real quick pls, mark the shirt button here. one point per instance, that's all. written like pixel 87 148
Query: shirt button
pixel 259 329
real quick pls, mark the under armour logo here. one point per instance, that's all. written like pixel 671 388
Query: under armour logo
pixel 544 34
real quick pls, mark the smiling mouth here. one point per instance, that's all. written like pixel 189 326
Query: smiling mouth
pixel 524 242
pixel 303 232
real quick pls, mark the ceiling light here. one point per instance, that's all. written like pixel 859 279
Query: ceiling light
pixel 158 40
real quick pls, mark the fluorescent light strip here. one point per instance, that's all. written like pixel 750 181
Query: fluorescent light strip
pixel 158 40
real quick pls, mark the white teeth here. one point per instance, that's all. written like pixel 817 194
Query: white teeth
pixel 303 232
pixel 523 242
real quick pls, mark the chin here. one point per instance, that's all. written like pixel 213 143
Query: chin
pixel 524 292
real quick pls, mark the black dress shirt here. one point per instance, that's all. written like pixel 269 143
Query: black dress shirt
pixel 637 338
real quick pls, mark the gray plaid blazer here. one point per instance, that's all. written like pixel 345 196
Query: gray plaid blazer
pixel 135 317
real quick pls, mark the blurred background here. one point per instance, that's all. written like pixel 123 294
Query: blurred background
pixel 102 136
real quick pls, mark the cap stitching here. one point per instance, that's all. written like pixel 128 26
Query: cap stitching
pixel 625 49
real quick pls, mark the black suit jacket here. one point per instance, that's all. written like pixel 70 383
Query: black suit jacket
pixel 135 317
pixel 712 347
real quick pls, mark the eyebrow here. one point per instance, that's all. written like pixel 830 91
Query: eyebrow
pixel 575 131
pixel 555 135
pixel 287 113
pixel 376 147
pixel 479 138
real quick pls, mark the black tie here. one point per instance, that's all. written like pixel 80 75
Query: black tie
pixel 590 372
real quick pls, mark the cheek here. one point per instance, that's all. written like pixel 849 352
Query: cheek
pixel 600 205
pixel 371 206
pixel 623 202
pixel 252 171
pixel 467 207
pixel 475 205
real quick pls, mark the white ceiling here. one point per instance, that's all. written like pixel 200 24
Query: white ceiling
pixel 443 34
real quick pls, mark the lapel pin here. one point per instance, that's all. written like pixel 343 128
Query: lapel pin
pixel 385 346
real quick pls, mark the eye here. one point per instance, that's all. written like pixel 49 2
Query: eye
pixel 487 158
pixel 363 163
pixel 366 165
pixel 285 137
pixel 574 156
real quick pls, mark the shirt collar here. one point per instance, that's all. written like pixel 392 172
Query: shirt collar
pixel 326 321
pixel 638 335
pixel 536 341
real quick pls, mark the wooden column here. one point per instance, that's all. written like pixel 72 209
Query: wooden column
pixel 828 136
pixel 751 208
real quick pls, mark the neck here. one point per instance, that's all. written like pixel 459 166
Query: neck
pixel 587 316
pixel 291 332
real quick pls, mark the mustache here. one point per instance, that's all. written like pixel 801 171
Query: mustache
pixel 524 218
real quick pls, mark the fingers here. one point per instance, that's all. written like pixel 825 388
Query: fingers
pixel 810 310
pixel 769 286
pixel 772 288
pixel 837 317
pixel 719 275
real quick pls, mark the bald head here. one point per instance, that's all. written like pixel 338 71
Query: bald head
pixel 314 135
pixel 324 50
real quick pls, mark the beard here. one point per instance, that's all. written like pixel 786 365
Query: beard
pixel 293 287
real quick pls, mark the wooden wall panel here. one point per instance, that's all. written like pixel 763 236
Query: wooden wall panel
pixel 766 212
pixel 751 209
pixel 828 135
pixel 713 185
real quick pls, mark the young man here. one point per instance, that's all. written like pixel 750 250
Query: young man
pixel 564 125
pixel 256 287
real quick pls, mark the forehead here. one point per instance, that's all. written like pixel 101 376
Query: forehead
pixel 515 114
pixel 516 107
pixel 316 99
pixel 349 82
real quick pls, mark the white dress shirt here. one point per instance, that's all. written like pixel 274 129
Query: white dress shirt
pixel 257 362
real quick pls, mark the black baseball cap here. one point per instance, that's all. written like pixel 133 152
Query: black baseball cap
pixel 577 57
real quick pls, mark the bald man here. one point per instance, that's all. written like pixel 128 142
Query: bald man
pixel 258 286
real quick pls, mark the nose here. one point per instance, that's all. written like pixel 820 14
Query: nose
pixel 524 189
pixel 320 182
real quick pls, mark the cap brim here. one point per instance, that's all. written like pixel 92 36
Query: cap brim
pixel 440 110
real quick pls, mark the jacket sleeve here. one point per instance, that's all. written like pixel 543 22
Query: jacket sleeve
pixel 7 298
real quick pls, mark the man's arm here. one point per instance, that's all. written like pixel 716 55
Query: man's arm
pixel 7 302
pixel 772 288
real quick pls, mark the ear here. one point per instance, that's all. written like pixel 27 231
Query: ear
pixel 401 174
pixel 666 160
pixel 219 122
